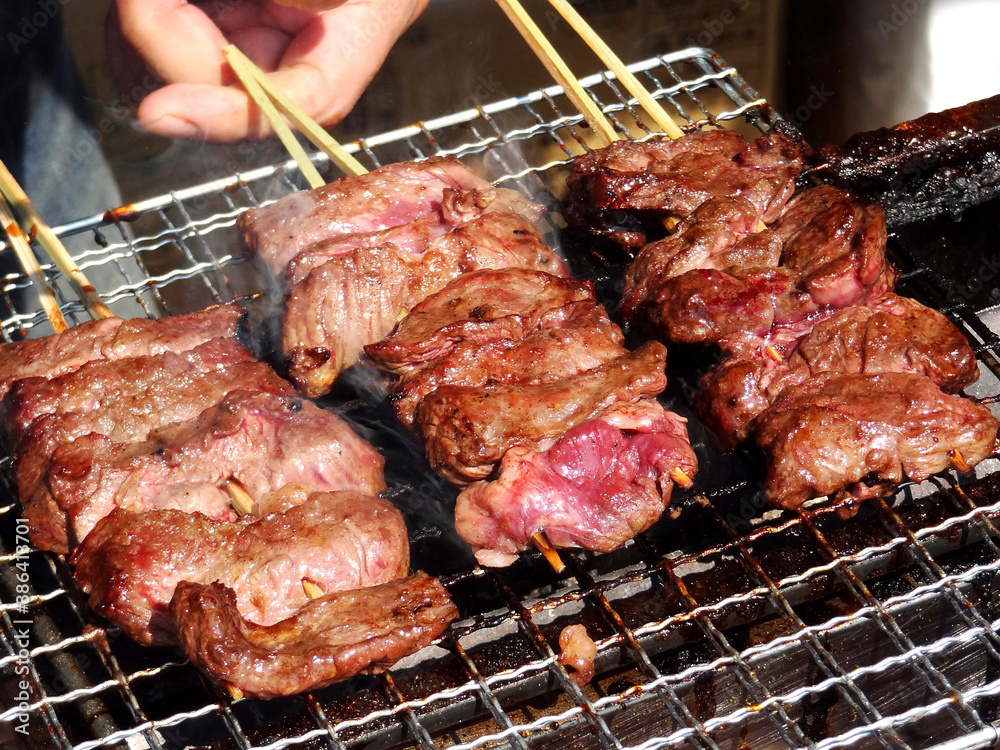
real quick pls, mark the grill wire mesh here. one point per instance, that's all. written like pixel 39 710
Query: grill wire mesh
pixel 731 625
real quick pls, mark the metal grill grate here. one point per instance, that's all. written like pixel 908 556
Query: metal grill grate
pixel 733 625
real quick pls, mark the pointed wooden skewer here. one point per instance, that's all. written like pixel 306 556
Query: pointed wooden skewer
pixel 958 461
pixel 271 99
pixel 680 478
pixel 22 248
pixel 616 66
pixel 628 80
pixel 312 590
pixel 240 499
pixel 559 70
pixel 38 229
pixel 548 551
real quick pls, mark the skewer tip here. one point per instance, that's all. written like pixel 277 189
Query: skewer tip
pixel 772 351
pixel 240 499
pixel 548 551
pixel 958 461
pixel 312 590
pixel 680 478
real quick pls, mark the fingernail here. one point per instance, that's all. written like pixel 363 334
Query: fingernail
pixel 172 126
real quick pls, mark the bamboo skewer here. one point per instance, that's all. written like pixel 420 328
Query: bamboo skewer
pixel 559 70
pixel 614 63
pixel 239 64
pixel 40 230
pixel 549 552
pixel 22 248
pixel 958 461
pixel 609 58
pixel 271 99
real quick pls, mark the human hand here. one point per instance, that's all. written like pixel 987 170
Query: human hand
pixel 323 59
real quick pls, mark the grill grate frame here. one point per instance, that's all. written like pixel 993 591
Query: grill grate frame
pixel 761 628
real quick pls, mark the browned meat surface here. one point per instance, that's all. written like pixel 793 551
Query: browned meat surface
pixel 596 486
pixel 891 334
pixel 457 207
pixel 357 298
pixel 519 380
pixel 127 399
pixel 721 234
pixel 714 307
pixel 387 197
pixel 836 244
pixel 467 430
pixel 329 639
pixel 859 436
pixel 262 440
pixel 717 279
pixel 628 187
pixel 113 338
pixel 137 389
pixel 131 563
pixel 478 307
pixel 587 340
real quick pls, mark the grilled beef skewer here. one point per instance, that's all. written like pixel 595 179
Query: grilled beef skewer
pixel 818 279
pixel 126 437
pixel 359 252
pixel 519 389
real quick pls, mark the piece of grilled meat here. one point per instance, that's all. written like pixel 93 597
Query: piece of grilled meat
pixel 113 338
pixel 329 639
pixel 518 382
pixel 858 435
pixel 627 190
pixel 132 562
pixel 357 298
pixel 890 334
pixel 261 440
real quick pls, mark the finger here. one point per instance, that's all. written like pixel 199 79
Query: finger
pixel 159 29
pixel 332 60
pixel 314 5
pixel 325 70
pixel 202 111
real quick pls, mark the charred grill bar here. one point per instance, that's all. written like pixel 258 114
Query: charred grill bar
pixel 731 623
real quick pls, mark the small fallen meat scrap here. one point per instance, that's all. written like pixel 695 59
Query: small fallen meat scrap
pixel 577 651
pixel 360 252
pixel 517 381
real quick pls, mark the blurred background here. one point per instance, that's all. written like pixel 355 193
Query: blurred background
pixel 833 67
